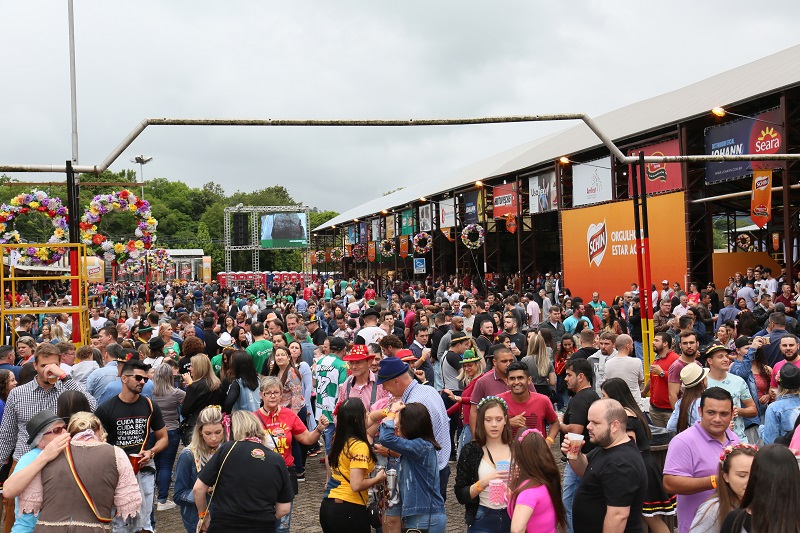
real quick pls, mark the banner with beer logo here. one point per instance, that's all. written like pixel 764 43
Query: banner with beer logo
pixel 371 251
pixel 660 176
pixel 473 207
pixel 447 213
pixel 776 241
pixel 390 233
pixel 761 201
pixel 206 269
pixel 404 246
pixel 505 200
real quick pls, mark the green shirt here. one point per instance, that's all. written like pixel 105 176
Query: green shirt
pixel 290 339
pixel 331 373
pixel 260 351
pixel 216 364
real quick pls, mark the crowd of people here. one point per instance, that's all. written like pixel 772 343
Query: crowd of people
pixel 221 396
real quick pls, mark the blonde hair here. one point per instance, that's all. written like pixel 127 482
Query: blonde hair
pixel 211 415
pixel 144 351
pixel 246 425
pixel 57 333
pixel 201 368
pixel 270 382
pixel 537 350
pixel 81 421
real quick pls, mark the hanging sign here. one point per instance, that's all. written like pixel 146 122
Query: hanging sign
pixel 761 201
pixel 404 246
pixel 371 251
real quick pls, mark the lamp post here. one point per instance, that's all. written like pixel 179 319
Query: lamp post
pixel 142 160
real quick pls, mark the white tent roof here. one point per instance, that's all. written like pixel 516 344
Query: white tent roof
pixel 771 73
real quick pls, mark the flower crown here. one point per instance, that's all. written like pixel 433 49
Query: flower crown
pixel 493 399
pixel 529 431
pixel 733 447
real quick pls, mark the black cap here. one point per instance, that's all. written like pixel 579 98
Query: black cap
pixel 39 423
pixel 337 344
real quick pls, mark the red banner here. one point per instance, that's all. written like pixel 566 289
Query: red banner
pixel 328 255
pixel 371 251
pixel 761 202
pixel 505 200
pixel 404 246
pixel 660 176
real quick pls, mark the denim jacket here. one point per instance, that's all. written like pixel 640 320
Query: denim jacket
pixel 417 472
pixel 744 369
pixel 780 417
pixel 185 477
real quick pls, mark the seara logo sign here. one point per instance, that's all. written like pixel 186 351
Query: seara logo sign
pixel 765 140
pixel 597 240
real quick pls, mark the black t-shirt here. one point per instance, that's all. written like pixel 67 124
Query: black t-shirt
pixel 730 520
pixel 519 340
pixel 184 364
pixel 126 423
pixel 583 353
pixel 578 413
pixel 252 481
pixel 318 337
pixel 615 477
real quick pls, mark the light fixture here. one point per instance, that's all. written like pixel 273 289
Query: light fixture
pixel 720 112
pixel 385 212
pixel 355 220
pixel 479 183
pixel 564 160
pixel 422 199
pixel 333 227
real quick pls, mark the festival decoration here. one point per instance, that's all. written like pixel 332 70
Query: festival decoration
pixel 118 252
pixel 157 259
pixel 35 201
pixel 468 236
pixel 336 254
pixel 359 252
pixel 422 243
pixel 320 256
pixel 387 248
pixel 131 267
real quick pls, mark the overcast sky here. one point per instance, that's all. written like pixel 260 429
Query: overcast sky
pixel 343 59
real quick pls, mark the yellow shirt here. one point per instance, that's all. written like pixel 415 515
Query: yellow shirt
pixel 355 455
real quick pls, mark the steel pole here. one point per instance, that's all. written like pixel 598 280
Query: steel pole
pixel 72 82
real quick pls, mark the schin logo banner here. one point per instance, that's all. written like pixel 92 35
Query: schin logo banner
pixel 597 239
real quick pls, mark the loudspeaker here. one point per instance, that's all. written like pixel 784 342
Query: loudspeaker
pixel 241 229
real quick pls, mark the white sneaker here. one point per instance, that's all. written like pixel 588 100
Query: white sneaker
pixel 165 506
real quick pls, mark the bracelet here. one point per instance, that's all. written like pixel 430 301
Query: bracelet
pixel 203 514
pixel 548 439
pixel 478 486
pixel 714 481
pixel 385 412
pixel 392 415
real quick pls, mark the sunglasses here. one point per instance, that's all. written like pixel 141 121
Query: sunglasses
pixel 55 431
pixel 137 377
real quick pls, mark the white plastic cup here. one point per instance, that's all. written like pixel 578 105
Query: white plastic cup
pixel 575 445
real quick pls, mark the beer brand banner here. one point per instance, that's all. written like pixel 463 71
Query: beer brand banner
pixel 600 245
pixel 371 251
pixel 505 200
pixel 543 193
pixel 328 258
pixel 591 183
pixel 511 223
pixel 425 220
pixel 447 213
pixel 312 257
pixel 376 229
pixel 404 246
pixel 660 176
pixel 206 269
pixel 363 232
pixel 446 233
pixel 776 241
pixel 407 221
pixel 390 230
pixel 761 201
pixel 746 136
pixel 473 207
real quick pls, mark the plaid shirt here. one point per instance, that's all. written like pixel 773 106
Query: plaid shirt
pixel 24 402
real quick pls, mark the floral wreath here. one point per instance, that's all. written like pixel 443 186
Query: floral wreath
pixel 118 252
pixel 22 204
pixel 744 241
pixel 420 237
pixel 359 252
pixel 320 256
pixel 732 447
pixel 158 259
pixel 131 267
pixel 387 247
pixel 496 399
pixel 466 236
pixel 336 254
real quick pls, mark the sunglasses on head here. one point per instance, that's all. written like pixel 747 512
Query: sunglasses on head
pixel 137 377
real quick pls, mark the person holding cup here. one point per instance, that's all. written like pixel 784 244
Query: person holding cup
pixel 484 461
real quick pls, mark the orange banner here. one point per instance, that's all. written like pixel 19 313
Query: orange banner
pixel 446 233
pixel 600 254
pixel 312 257
pixel 371 252
pixel 328 255
pixel 511 223
pixel 404 246
pixel 761 202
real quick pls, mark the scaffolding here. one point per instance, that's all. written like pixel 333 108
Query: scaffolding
pixel 79 310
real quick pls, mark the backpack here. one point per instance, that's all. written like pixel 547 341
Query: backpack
pixel 248 399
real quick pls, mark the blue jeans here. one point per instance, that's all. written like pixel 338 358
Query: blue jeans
pixel 141 521
pixel 164 462
pixel 189 517
pixel 571 483
pixel 490 521
pixel 434 523
pixel 327 436
pixel 562 399
pixel 285 522
pixel 465 437
pixel 438 380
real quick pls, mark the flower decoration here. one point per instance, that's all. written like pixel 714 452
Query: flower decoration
pixel 36 201
pixel 336 254
pixel 158 259
pixel 422 243
pixel 473 236
pixel 496 399
pixel 118 252
pixel 732 447
pixel 320 256
pixel 387 247
pixel 359 252
pixel 131 267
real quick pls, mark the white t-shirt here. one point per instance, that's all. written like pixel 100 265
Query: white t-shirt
pixel 629 369
pixel 371 334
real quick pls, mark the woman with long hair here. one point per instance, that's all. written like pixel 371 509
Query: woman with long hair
pixel 289 377
pixel 685 413
pixel 45 334
pixel 472 367
pixel 770 499
pixel 351 460
pixel 209 433
pixel 782 413
pixel 566 347
pixel 243 393
pixel 535 488
pixel 539 365
pixel 408 430
pixel 477 467
pixel 205 390
pixel 250 483
pixel 656 501
pixel 191 347
pixel 7 382
pixel 305 413
pixel 71 402
pixel 169 399
pixel 732 476
pixel 610 321
pixel 594 320
pixel 228 324
pixel 746 324
pixel 283 428
pixel 239 336
pixel 123 316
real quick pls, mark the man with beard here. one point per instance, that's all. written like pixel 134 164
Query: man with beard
pixel 611 494
pixel 689 350
pixel 482 316
pixel 607 341
pixel 511 328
